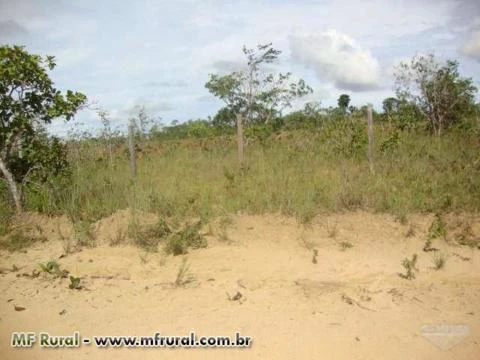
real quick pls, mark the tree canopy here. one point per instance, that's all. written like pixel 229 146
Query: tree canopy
pixel 28 101
pixel 343 102
pixel 255 93
pixel 442 95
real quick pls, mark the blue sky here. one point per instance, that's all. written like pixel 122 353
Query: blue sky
pixel 159 53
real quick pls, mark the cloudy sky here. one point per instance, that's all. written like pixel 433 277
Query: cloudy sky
pixel 159 53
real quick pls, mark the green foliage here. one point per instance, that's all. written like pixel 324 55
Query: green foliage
pixel 254 93
pixel 188 237
pixel 148 237
pixel 391 105
pixel 28 101
pixel 390 144
pixel 50 267
pixel 225 117
pixel 348 138
pixel 343 102
pixel 40 157
pixel 437 228
pixel 443 96
pixel 466 237
pixel 309 118
pixel 299 172
pixel 75 283
pixel 410 267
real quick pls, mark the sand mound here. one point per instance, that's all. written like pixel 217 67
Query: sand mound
pixel 39 225
pixel 108 230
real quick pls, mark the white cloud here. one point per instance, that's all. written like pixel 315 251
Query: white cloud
pixel 338 58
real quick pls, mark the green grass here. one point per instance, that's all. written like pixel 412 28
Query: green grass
pixel 302 175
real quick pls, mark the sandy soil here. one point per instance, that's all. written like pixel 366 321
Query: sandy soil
pixel 350 304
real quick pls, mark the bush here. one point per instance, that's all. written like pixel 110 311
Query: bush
pixel 188 237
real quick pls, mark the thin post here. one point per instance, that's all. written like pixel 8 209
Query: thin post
pixel 131 149
pixel 241 156
pixel 371 139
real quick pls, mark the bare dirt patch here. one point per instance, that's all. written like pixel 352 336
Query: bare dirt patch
pixel 349 304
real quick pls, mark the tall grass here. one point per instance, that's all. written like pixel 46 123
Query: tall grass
pixel 298 173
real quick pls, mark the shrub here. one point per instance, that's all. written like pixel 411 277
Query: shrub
pixel 188 237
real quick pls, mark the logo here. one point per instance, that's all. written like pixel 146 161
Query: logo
pixel 445 336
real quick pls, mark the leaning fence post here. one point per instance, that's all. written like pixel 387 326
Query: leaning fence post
pixel 131 149
pixel 370 138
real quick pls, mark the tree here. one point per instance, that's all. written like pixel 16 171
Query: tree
pixel 225 117
pixel 254 94
pixel 442 95
pixel 391 105
pixel 28 101
pixel 141 121
pixel 343 102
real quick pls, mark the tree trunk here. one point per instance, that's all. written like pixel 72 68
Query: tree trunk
pixel 240 145
pixel 11 186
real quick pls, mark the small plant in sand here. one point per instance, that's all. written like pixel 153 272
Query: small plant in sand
pixel 437 228
pixel 50 267
pixel 439 261
pixel 314 258
pixel 466 237
pixel 428 246
pixel 344 245
pixel 74 283
pixel 184 275
pixel 53 268
pixel 188 237
pixel 148 237
pixel 410 266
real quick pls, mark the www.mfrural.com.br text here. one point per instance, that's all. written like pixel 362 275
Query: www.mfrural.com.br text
pixel 192 340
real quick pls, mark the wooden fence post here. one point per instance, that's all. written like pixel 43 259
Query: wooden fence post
pixel 131 149
pixel 241 156
pixel 371 140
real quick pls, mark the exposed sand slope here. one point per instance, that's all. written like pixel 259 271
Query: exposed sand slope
pixel 351 304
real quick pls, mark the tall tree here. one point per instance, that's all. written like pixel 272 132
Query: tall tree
pixel 443 96
pixel 390 105
pixel 255 94
pixel 343 102
pixel 28 101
